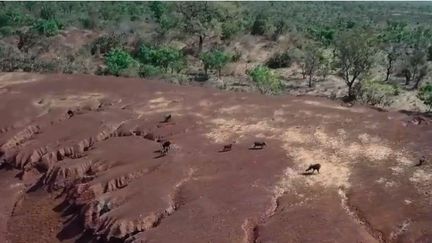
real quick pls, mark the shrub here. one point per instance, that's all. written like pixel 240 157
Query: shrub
pixel 148 70
pixel 47 27
pixel 158 9
pixel 89 23
pixel 167 57
pixel 47 12
pixel 259 26
pixel 266 80
pixel 376 93
pixel 6 31
pixel 118 60
pixel 105 44
pixel 162 57
pixel 230 29
pixel 279 60
pixel 425 94
pixel 215 60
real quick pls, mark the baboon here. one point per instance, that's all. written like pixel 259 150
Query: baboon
pixel 70 113
pixel 167 118
pixel 314 167
pixel 259 144
pixel 227 147
pixel 422 160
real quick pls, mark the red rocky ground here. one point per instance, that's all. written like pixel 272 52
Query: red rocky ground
pixel 107 182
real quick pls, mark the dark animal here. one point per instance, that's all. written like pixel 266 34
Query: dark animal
pixel 167 118
pixel 70 113
pixel 165 147
pixel 259 145
pixel 314 167
pixel 422 160
pixel 227 147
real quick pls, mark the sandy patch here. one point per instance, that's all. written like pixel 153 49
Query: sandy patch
pixel 7 79
pixel 422 177
pixel 67 101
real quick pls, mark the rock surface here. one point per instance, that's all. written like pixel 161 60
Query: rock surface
pixel 104 163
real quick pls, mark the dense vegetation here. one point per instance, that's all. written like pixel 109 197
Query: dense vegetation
pixel 387 42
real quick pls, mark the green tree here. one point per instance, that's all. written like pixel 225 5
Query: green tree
pixel 158 9
pixel 197 18
pixel 266 80
pixel 393 40
pixel 354 54
pixel 118 60
pixel 414 66
pixel 48 28
pixel 260 26
pixel 425 94
pixel 215 60
pixel 312 61
pixel 167 57
pixel 163 57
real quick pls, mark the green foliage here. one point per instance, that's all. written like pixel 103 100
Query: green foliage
pixel 354 54
pixel 167 57
pixel 47 12
pixel 425 94
pixel 90 21
pixel 6 31
pixel 377 93
pixel 260 25
pixel 279 60
pixel 106 43
pixel 215 60
pixel 230 28
pixel 162 57
pixel 325 35
pixel 197 18
pixel 48 28
pixel 118 60
pixel 13 18
pixel 266 80
pixel 147 70
pixel 158 9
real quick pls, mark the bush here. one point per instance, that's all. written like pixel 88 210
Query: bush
pixel 162 57
pixel 47 27
pixel 105 44
pixel 89 23
pixel 118 60
pixel 259 26
pixel 47 12
pixel 425 94
pixel 215 60
pixel 148 70
pixel 376 93
pixel 230 29
pixel 6 31
pixel 266 80
pixel 279 60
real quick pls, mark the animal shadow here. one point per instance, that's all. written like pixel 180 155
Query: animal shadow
pixel 307 173
pixel 159 156
pixel 254 148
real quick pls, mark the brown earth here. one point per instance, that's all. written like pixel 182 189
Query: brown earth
pixel 108 183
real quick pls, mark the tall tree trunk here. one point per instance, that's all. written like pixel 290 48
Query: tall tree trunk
pixel 201 42
pixel 310 80
pixel 389 69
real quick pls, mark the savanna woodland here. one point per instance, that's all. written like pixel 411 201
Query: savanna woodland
pixel 377 53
